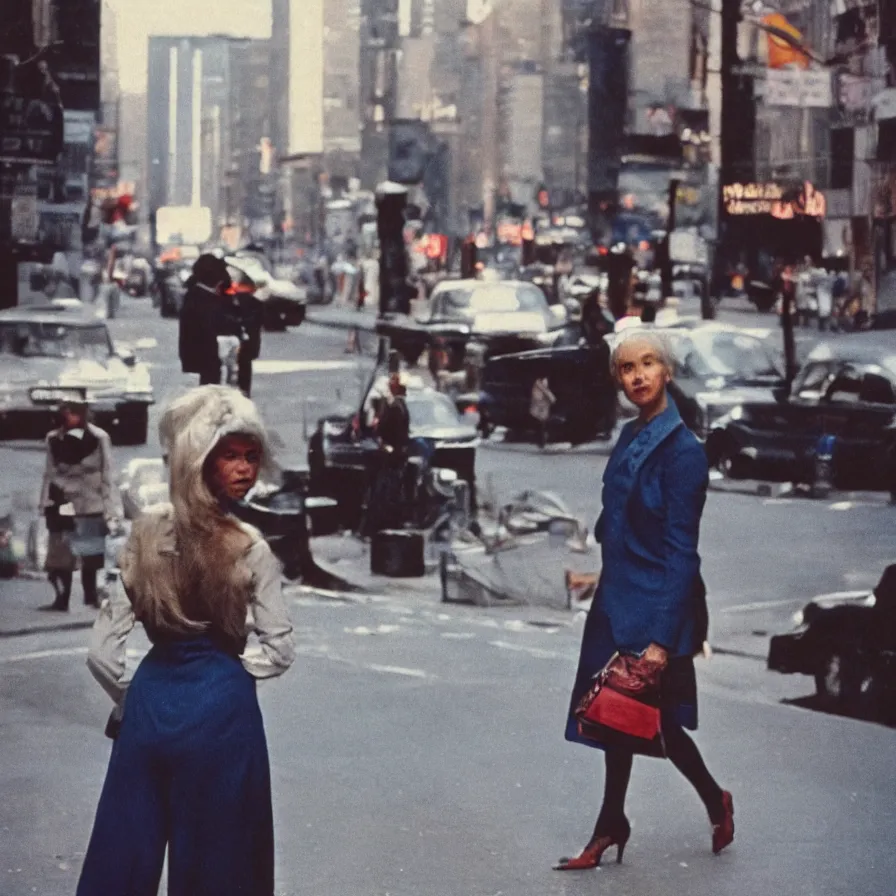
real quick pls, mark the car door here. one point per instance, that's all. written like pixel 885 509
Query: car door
pixel 686 383
pixel 863 406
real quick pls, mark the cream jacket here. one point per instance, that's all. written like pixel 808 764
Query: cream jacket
pixel 270 652
pixel 88 485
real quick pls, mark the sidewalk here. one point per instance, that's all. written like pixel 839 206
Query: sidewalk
pixel 341 317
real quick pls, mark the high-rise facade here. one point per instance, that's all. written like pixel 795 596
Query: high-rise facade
pixel 188 134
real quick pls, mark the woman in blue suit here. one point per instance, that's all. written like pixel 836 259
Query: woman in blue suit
pixel 650 599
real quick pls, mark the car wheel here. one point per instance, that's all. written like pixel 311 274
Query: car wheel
pixel 133 426
pixel 842 680
pixel 721 455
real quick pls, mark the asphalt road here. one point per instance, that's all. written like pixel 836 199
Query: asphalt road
pixel 417 748
pixel 763 557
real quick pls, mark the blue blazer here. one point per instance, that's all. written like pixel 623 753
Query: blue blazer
pixel 654 491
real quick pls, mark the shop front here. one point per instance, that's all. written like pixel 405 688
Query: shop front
pixel 765 225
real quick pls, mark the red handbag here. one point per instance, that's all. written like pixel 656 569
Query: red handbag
pixel 622 706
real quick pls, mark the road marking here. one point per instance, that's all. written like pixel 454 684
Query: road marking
pixel 759 605
pixel 44 654
pixel 398 670
pixel 537 652
pixel 273 367
pixel 323 652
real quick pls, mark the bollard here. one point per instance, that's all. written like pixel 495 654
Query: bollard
pixel 823 473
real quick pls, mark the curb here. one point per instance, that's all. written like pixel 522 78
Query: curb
pixel 340 325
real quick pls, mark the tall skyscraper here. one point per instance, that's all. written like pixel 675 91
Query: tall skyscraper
pixel 188 107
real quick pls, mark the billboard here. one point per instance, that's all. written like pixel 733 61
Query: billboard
pixel 306 77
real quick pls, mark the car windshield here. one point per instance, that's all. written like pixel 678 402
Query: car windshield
pixel 431 410
pixel 51 340
pixel 733 355
pixel 498 298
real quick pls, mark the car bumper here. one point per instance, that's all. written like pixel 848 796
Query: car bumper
pixel 35 422
pixel 791 654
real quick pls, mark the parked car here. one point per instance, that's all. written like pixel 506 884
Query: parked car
pixel 845 389
pixel 343 447
pixel 717 367
pixel 51 353
pixel 283 302
pixel 847 642
pixel 505 316
pixel 579 378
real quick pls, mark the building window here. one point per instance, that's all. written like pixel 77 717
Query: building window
pixel 842 155
pixel 886 140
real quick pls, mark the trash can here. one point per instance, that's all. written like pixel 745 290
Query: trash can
pixel 823 473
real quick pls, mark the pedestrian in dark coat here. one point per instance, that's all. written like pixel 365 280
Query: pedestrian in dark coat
pixel 189 771
pixel 650 598
pixel 205 316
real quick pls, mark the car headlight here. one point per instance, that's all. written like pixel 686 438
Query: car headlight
pixel 49 395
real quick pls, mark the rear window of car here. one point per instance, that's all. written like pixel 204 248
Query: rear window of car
pixel 431 410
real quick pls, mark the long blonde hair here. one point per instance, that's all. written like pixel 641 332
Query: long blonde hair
pixel 184 565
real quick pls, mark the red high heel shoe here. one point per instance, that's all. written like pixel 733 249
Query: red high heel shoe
pixel 723 831
pixel 591 855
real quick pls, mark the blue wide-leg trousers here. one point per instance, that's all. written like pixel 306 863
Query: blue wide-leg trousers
pixel 189 772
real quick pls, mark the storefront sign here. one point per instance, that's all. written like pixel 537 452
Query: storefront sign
pixel 771 199
pixel 750 199
pixel 798 87
pixel 30 130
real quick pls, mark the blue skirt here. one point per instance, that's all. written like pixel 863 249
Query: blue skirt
pixel 679 683
pixel 189 771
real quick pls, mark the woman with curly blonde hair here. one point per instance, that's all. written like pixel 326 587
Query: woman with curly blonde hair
pixel 189 768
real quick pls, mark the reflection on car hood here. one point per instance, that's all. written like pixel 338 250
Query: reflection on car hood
pixel 26 372
pixel 441 433
pixel 509 322
pixel 734 394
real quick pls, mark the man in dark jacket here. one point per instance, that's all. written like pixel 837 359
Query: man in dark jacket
pixel 204 317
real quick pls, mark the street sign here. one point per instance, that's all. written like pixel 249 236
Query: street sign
pixel 806 88
pixel 30 130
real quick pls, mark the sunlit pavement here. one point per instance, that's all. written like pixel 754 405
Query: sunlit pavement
pixel 417 748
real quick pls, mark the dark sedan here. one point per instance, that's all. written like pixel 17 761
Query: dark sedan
pixel 847 642
pixel 718 367
pixel 579 378
pixel 342 448
pixel 846 390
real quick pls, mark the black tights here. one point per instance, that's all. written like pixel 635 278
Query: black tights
pixel 684 755
pixel 61 580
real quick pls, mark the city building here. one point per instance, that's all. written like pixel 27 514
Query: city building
pixel 189 137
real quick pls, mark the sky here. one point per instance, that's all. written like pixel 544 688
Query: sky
pixel 138 19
